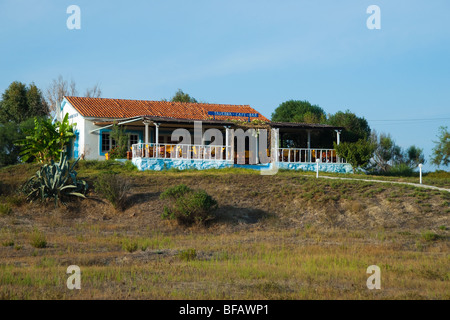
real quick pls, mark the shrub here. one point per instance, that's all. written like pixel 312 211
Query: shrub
pixel 176 192
pixel 129 245
pixel 358 154
pixel 15 200
pixel 430 236
pixel 55 181
pixel 107 165
pixel 440 174
pixel 117 153
pixel 188 206
pixel 5 210
pixel 188 254
pixel 400 170
pixel 8 243
pixel 121 137
pixel 38 239
pixel 114 188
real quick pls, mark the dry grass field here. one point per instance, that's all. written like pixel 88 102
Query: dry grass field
pixel 287 236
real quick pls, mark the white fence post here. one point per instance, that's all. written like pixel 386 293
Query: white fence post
pixel 317 168
pixel 420 172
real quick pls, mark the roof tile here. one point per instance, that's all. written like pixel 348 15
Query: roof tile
pixel 121 108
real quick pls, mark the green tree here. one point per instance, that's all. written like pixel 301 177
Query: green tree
pixel 413 157
pixel 46 140
pixel 119 135
pixel 10 132
pixel 441 151
pixel 20 102
pixel 298 111
pixel 180 96
pixel 356 128
pixel 387 153
pixel 389 158
pixel 357 154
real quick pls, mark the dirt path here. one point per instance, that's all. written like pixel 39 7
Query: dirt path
pixel 384 181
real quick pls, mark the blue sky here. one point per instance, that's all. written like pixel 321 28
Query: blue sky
pixel 259 53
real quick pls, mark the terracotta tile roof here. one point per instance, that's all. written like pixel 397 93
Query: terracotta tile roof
pixel 120 108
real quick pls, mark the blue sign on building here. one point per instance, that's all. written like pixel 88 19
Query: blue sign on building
pixel 233 114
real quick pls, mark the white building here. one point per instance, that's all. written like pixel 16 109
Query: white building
pixel 150 124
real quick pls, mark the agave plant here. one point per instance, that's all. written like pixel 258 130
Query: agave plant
pixel 55 181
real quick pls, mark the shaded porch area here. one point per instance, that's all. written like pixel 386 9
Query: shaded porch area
pixel 306 143
pixel 293 146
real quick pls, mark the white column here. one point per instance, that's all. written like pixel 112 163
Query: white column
pixel 274 144
pixel 227 143
pixel 257 145
pixel 146 123
pixel 146 132
pixel 232 145
pixel 338 137
pixel 338 141
pixel 156 140
pixel 156 133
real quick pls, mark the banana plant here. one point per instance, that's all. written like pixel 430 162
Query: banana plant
pixel 47 140
pixel 55 181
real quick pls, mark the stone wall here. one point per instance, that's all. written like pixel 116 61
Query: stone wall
pixel 181 164
pixel 323 167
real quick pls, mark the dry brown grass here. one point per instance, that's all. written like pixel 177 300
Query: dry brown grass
pixel 280 237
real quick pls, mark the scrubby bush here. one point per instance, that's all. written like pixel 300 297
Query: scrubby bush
pixel 188 206
pixel 358 154
pixel 188 254
pixel 5 210
pixel 38 239
pixel 107 165
pixel 121 137
pixel 15 200
pixel 430 236
pixel 400 170
pixel 130 245
pixel 114 188
pixel 176 192
pixel 8 243
pixel 439 174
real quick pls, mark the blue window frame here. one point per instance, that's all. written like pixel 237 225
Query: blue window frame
pixel 76 144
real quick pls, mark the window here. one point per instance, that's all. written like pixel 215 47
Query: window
pixel 134 139
pixel 107 142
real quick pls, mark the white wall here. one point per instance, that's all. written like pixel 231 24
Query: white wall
pixel 91 141
pixel 75 118
pixel 88 144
